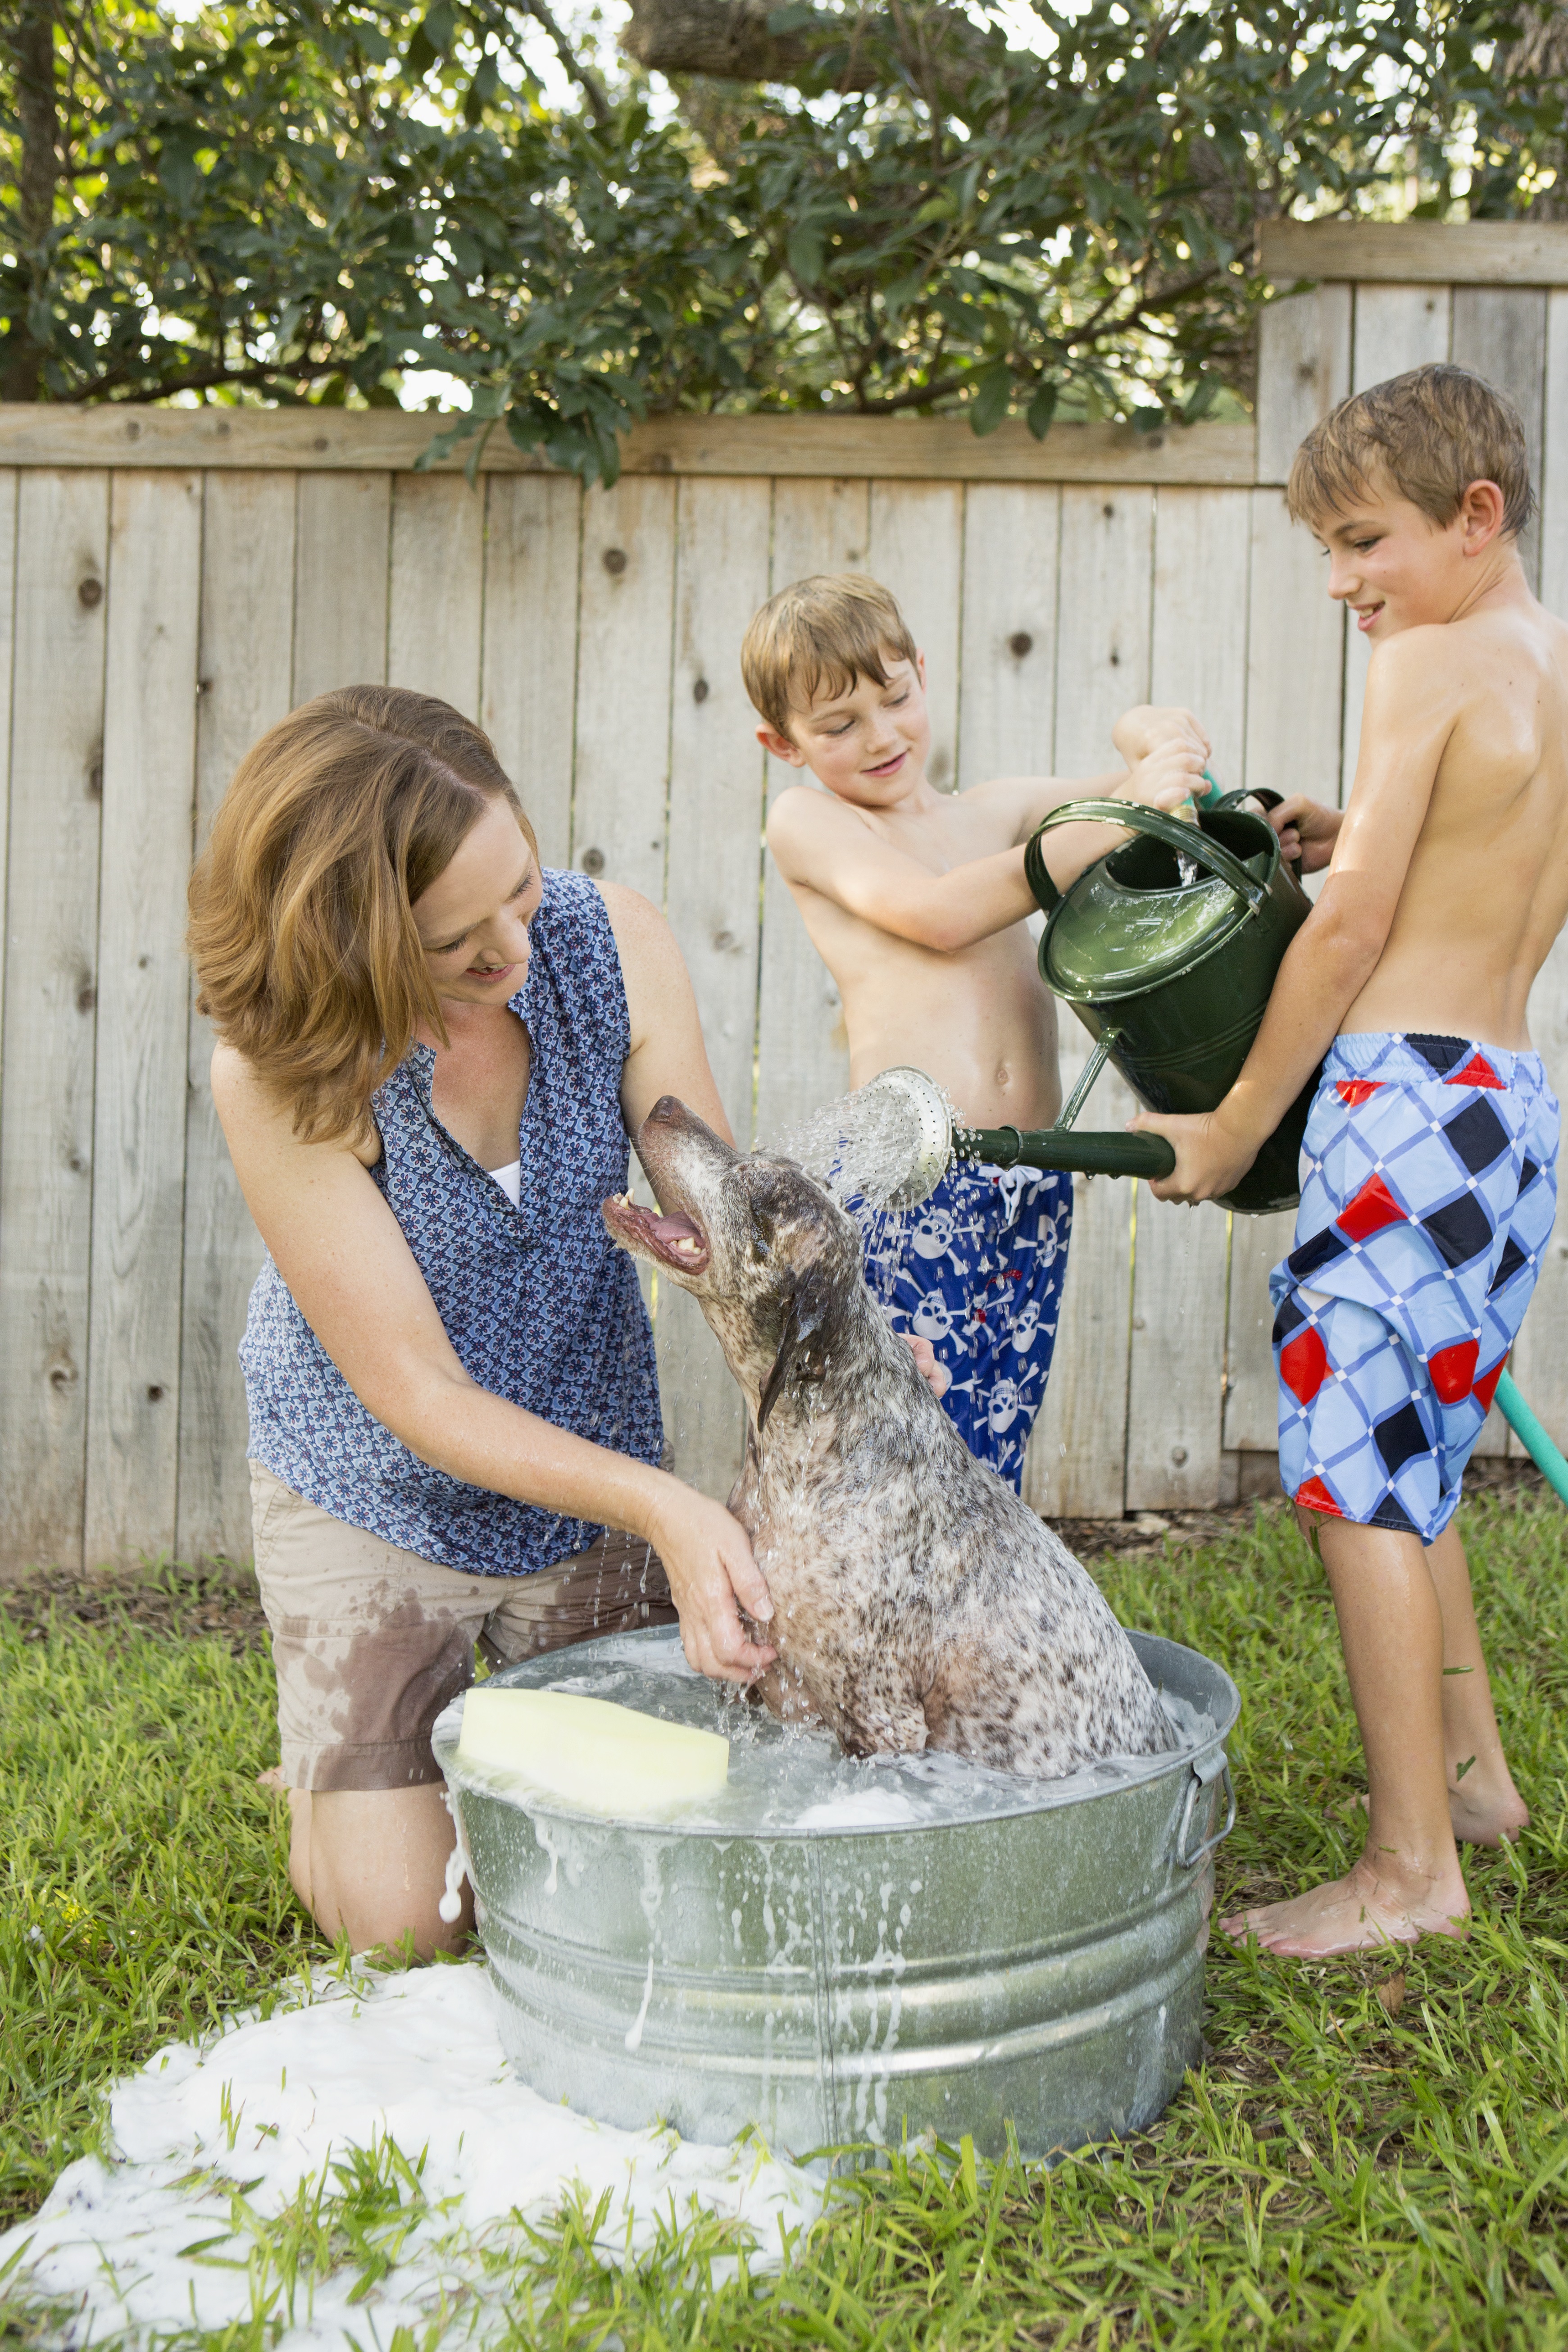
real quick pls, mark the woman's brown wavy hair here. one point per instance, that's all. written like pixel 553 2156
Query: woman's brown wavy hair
pixel 301 907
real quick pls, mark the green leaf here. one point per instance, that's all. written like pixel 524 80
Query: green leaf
pixel 993 391
pixel 1042 408
pixel 804 249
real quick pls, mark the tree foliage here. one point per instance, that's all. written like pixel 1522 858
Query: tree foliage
pixel 287 200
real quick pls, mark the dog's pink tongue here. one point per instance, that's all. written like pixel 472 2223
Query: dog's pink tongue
pixel 675 1229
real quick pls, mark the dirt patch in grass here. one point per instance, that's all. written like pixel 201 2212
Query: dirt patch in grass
pixel 220 1596
pixel 215 1597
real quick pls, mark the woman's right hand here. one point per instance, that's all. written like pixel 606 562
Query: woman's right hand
pixel 706 1556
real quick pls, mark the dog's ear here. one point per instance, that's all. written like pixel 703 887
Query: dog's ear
pixel 810 1318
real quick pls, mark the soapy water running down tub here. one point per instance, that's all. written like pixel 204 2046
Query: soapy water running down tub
pixel 836 1950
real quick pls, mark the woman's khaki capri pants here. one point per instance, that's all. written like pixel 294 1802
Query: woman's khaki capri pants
pixel 370 1643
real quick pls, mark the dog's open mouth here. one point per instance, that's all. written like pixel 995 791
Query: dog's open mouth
pixel 678 1242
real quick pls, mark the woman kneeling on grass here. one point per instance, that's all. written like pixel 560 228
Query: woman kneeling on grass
pixel 431 1054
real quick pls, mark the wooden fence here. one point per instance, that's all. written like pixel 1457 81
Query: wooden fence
pixel 172 581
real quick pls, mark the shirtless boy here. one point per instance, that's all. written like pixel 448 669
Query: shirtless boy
pixel 915 900
pixel 1430 1157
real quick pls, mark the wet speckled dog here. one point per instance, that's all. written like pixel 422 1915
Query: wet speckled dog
pixel 917 1603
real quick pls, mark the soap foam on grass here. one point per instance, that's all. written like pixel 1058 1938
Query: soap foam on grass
pixel 361 2163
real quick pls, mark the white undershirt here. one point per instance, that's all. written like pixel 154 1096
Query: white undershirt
pixel 509 1179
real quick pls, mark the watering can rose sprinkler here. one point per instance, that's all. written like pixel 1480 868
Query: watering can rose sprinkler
pixel 1167 949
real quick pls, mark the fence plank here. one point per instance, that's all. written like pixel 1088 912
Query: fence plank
pixel 715 849
pixel 625 616
pixel 802 1056
pixel 1202 541
pixel 1539 1359
pixel 1007 679
pixel 143 1017
pixel 821 448
pixel 529 686
pixel 1446 253
pixel 1303 369
pixel 8 557
pixel 917 551
pixel 342 544
pixel 1396 326
pixel 435 612
pixel 246 630
pixel 51 986
pixel 1499 334
pixel 1077 1466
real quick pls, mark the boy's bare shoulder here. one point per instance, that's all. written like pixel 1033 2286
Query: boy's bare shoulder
pixel 803 815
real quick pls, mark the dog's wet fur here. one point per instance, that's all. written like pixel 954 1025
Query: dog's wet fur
pixel 917 1600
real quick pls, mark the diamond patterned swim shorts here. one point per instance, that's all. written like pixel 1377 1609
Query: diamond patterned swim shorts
pixel 1429 1190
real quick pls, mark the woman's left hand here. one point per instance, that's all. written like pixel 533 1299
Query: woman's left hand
pixel 937 1377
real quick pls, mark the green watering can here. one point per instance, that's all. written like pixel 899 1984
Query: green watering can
pixel 1166 948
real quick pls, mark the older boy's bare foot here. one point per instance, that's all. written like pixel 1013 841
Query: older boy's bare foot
pixel 1354 1914
pixel 1483 1815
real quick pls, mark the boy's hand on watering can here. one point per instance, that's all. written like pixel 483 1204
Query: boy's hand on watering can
pixel 1141 730
pixel 1210 1157
pixel 1306 830
pixel 1170 777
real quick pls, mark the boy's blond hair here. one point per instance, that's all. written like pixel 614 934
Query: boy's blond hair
pixel 828 631
pixel 1432 432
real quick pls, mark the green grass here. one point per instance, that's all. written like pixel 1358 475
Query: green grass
pixel 1373 2153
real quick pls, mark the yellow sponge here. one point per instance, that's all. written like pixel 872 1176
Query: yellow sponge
pixel 597 1757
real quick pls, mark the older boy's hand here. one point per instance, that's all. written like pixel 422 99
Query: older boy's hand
pixel 1141 730
pixel 1306 830
pixel 1210 1157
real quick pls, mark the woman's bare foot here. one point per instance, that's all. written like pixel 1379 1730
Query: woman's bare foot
pixel 1482 1815
pixel 1355 1914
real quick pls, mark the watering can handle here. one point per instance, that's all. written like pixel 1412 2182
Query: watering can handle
pixel 1266 798
pixel 1186 840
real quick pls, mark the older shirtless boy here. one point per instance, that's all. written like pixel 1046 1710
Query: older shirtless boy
pixel 1429 1164
pixel 915 900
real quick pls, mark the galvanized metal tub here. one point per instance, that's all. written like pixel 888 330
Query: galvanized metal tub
pixel 1037 1961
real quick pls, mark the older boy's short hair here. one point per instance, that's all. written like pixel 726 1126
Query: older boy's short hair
pixel 1433 431
pixel 827 630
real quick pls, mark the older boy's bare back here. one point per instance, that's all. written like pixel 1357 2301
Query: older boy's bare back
pixel 1486 890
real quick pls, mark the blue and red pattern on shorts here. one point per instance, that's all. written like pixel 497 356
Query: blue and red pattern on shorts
pixel 1429 1192
pixel 977 1269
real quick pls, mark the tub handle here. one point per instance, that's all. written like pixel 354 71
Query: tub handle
pixel 1205 1772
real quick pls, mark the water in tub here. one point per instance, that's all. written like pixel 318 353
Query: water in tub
pixel 796 1781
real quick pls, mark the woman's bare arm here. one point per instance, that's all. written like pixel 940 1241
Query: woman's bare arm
pixel 342 1253
pixel 667 1056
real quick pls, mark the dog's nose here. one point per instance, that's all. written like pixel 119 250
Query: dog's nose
pixel 668 1111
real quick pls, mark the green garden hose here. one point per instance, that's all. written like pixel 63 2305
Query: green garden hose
pixel 1531 1436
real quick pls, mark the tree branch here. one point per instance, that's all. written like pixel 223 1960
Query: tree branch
pixel 587 80
pixel 31 41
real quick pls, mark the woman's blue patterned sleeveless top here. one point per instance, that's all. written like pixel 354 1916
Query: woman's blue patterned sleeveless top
pixel 540 1304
